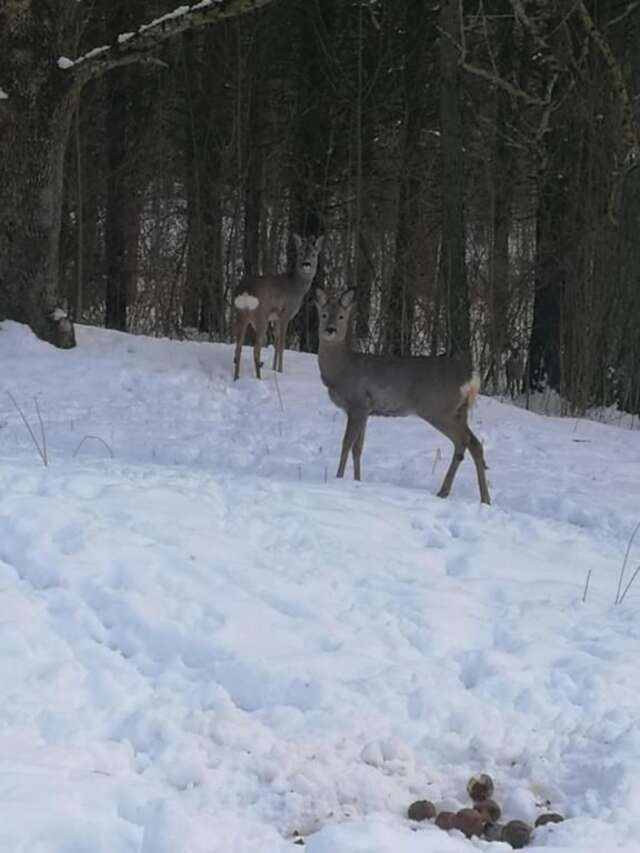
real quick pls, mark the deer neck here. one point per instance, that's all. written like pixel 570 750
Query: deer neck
pixel 302 280
pixel 333 358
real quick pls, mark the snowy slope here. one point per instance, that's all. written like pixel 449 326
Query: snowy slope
pixel 206 648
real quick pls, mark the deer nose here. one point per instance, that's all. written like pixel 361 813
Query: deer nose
pixel 331 330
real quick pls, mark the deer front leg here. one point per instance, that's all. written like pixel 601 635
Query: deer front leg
pixel 356 451
pixel 355 427
pixel 283 322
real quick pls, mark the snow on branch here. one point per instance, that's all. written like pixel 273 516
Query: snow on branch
pixel 3 94
pixel 136 46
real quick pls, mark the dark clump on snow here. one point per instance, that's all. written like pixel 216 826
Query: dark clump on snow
pixel 481 819
pixel 480 787
pixel 517 833
pixel 445 820
pixel 469 822
pixel 549 817
pixel 489 810
pixel 421 810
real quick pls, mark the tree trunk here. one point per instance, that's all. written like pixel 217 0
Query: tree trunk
pixel 118 202
pixel 34 127
pixel 453 265
pixel 253 183
pixel 545 345
pixel 399 320
pixel 500 177
pixel 203 299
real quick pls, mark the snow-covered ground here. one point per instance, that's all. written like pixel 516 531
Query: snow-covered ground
pixel 208 644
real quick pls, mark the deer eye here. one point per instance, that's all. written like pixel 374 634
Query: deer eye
pixel 324 316
pixel 340 316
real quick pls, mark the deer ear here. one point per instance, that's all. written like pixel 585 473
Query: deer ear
pixel 319 243
pixel 321 297
pixel 297 239
pixel 348 298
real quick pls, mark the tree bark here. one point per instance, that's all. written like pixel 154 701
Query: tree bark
pixel 203 297
pixel 453 264
pixel 500 192
pixel 118 202
pixel 402 291
pixel 34 126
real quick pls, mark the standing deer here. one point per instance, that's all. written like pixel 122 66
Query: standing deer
pixel 514 368
pixel 437 389
pixel 274 299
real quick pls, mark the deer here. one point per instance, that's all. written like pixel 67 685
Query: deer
pixel 514 368
pixel 438 389
pixel 274 299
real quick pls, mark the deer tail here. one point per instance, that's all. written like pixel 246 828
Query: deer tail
pixel 246 301
pixel 469 391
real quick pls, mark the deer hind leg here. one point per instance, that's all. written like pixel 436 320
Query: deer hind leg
pixel 456 459
pixel 462 439
pixel 241 330
pixel 475 449
pixel 275 328
pixel 454 428
pixel 355 429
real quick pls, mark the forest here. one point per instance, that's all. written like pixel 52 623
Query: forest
pixel 472 165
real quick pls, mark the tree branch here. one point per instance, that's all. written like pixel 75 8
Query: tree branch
pixel 630 8
pixel 137 46
pixel 631 135
pixel 503 84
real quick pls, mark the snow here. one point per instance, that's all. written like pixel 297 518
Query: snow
pixel 206 648
pixel 65 63
pixel 179 12
pixel 3 95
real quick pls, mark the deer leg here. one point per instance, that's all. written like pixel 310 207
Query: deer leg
pixel 356 451
pixel 241 330
pixel 456 459
pixel 475 449
pixel 355 425
pixel 257 346
pixel 282 338
pixel 276 337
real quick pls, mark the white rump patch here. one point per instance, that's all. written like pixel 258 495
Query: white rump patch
pixel 470 390
pixel 245 301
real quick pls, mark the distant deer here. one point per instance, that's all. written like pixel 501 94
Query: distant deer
pixel 514 368
pixel 437 389
pixel 275 299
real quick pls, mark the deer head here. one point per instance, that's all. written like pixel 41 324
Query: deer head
pixel 307 251
pixel 335 315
